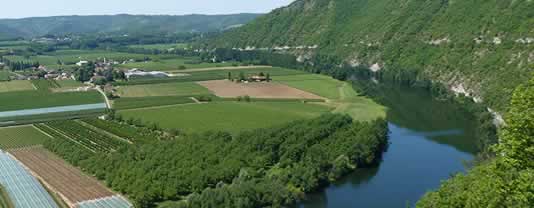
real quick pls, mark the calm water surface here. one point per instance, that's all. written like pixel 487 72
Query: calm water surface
pixel 429 141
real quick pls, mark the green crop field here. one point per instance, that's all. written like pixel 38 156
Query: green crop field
pixel 321 85
pixel 143 102
pixel 4 75
pixel 166 89
pixel 35 99
pixel 18 137
pixel 15 85
pixel 341 94
pixel 174 64
pixel 227 116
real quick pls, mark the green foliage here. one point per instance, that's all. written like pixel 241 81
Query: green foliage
pixel 507 180
pixel 264 167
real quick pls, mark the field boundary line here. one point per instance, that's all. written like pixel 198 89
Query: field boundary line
pixel 89 126
pixel 38 129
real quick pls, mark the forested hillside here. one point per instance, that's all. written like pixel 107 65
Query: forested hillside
pixel 482 47
pixel 507 180
pixel 39 26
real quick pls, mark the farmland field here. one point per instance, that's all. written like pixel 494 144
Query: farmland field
pixel 227 116
pixel 61 177
pixel 229 89
pixel 318 84
pixel 18 137
pixel 166 89
pixel 4 75
pixel 159 46
pixel 33 99
pixel 81 135
pixel 214 75
pixel 70 57
pixel 343 98
pixel 143 102
pixel 172 64
pixel 44 84
pixel 15 85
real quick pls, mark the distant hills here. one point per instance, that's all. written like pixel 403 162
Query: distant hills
pixel 39 26
pixel 482 47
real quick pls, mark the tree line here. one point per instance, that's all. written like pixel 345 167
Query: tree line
pixel 257 168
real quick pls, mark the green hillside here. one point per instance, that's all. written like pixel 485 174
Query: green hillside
pixel 480 45
pixel 39 26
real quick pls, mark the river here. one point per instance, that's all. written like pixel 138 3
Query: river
pixel 429 141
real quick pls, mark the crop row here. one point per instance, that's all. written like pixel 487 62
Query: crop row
pixel 45 85
pixel 85 137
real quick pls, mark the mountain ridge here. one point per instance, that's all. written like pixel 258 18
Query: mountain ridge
pixel 485 48
pixel 120 23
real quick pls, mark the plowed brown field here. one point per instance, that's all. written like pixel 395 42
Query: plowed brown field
pixel 60 177
pixel 228 89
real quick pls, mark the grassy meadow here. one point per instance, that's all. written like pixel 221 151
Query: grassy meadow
pixel 165 89
pixel 227 116
pixel 342 96
pixel 18 137
pixel 145 102
pixel 15 85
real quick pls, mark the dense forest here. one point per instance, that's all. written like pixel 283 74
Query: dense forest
pixel 505 181
pixel 486 47
pixel 257 168
pixel 119 24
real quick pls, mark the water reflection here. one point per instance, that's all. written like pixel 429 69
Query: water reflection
pixel 429 141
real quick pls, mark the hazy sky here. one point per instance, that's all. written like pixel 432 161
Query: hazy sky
pixel 39 8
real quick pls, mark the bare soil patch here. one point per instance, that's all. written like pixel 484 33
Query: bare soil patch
pixel 228 89
pixel 68 181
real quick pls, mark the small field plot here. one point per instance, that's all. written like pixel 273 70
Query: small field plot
pixel 15 85
pixel 18 137
pixel 229 89
pixel 71 183
pixel 318 84
pixel 22 100
pixel 166 89
pixel 4 75
pixel 227 116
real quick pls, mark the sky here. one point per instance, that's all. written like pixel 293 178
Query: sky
pixel 42 8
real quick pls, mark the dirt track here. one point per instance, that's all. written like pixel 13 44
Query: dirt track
pixel 60 177
pixel 228 89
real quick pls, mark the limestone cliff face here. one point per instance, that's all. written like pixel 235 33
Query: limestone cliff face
pixel 486 46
